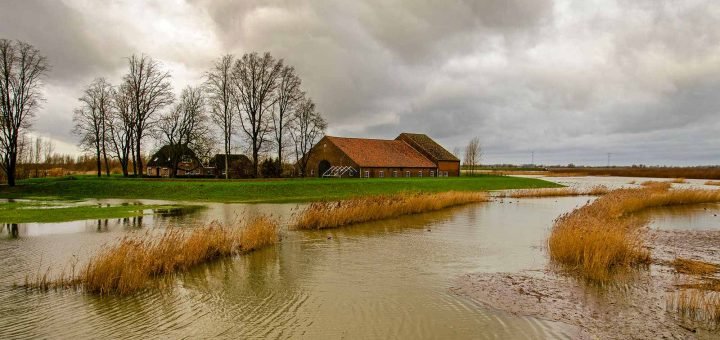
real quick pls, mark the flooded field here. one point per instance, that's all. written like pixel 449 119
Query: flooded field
pixel 389 279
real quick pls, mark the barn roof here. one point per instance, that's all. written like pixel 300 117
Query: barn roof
pixel 428 146
pixel 381 153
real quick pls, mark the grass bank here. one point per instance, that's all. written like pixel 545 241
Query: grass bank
pixel 603 237
pixel 49 211
pixel 327 214
pixel 597 190
pixel 131 264
pixel 255 191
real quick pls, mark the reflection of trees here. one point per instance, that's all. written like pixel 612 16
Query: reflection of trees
pixel 135 222
pixel 13 230
pixel 102 225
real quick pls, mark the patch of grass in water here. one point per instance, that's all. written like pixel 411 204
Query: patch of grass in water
pixel 62 211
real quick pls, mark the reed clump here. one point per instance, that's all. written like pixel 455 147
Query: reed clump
pixel 322 215
pixel 597 190
pixel 716 183
pixel 678 180
pixel 603 237
pixel 130 264
pixel 694 267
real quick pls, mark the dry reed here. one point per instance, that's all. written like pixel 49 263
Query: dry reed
pixel 556 192
pixel 678 181
pixel 716 183
pixel 603 237
pixel 129 265
pixel 322 215
pixel 694 267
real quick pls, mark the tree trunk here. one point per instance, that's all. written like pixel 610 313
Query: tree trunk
pixel 227 164
pixel 11 171
pixel 99 165
pixel 139 158
pixel 255 156
pixel 107 165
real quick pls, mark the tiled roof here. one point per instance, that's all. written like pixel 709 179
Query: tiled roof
pixel 431 148
pixel 381 153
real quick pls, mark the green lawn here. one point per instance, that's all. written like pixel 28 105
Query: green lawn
pixel 253 191
pixel 49 211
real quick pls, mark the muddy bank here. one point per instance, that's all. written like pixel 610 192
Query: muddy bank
pixel 632 310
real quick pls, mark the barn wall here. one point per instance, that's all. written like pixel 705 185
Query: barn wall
pixel 452 167
pixel 325 150
pixel 388 172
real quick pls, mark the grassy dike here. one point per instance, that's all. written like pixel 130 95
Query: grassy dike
pixel 254 191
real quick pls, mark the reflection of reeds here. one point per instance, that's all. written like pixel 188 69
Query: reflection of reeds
pixel 556 192
pixel 600 237
pixel 321 215
pixel 695 304
pixel 717 183
pixel 678 181
pixel 129 265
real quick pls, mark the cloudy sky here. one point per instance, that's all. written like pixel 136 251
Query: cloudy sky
pixel 570 80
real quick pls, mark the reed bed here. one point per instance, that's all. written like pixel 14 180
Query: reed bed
pixel 603 237
pixel 716 183
pixel 655 172
pixel 678 181
pixel 130 265
pixel 322 215
pixel 597 190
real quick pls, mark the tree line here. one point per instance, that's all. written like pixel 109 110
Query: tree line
pixel 256 97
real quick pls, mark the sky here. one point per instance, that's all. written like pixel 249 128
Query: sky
pixel 569 81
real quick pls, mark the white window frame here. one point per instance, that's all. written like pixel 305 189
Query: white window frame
pixel 395 173
pixel 367 173
pixel 382 174
pixel 407 173
pixel 420 173
pixel 432 173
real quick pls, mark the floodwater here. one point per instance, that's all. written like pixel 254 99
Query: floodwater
pixel 387 279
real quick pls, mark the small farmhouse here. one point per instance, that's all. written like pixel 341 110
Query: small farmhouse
pixel 160 164
pixel 239 166
pixel 408 155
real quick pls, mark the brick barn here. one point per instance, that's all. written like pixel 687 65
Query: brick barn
pixel 408 155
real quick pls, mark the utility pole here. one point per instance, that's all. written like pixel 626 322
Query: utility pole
pixel 608 163
pixel 532 158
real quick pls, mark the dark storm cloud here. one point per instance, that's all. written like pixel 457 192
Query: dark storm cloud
pixel 570 80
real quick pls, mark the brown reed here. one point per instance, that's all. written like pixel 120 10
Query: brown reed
pixel 555 192
pixel 322 215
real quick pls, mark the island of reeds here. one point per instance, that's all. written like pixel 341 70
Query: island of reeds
pixel 333 214
pixel 131 264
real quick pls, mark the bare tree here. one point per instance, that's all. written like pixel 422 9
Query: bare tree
pixel 289 96
pixel 308 128
pixel 150 90
pixel 473 153
pixel 22 69
pixel 220 99
pixel 91 120
pixel 184 127
pixel 121 127
pixel 256 78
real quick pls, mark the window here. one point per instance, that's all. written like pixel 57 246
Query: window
pixel 382 173
pixel 445 174
pixel 432 173
pixel 395 173
pixel 407 173
pixel 312 172
pixel 420 173
pixel 367 174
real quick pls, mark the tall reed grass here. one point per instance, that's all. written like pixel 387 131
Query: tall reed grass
pixel 698 305
pixel 716 183
pixel 130 264
pixel 322 215
pixel 603 237
pixel 556 192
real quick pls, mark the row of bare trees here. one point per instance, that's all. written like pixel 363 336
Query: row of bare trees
pixel 255 96
pixel 261 98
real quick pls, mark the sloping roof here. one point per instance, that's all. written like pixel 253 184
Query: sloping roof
pixel 381 153
pixel 162 156
pixel 429 147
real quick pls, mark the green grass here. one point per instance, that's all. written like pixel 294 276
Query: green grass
pixel 45 212
pixel 254 191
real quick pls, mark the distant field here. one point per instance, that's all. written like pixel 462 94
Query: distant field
pixel 254 191
pixel 668 172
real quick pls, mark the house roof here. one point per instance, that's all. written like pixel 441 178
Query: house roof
pixel 428 146
pixel 381 153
